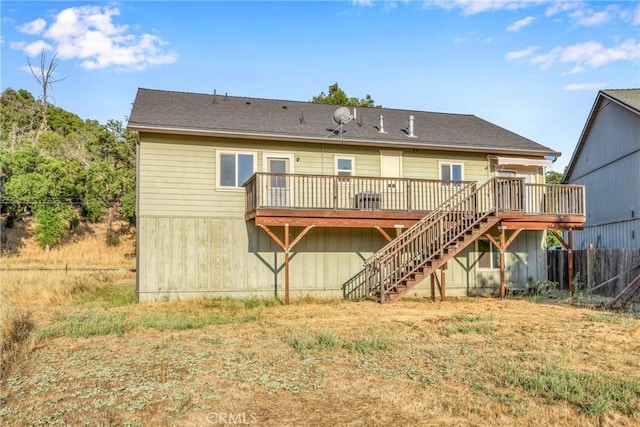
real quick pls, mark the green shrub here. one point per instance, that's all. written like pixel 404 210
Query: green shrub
pixel 51 224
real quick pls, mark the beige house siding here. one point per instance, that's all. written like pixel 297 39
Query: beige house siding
pixel 193 240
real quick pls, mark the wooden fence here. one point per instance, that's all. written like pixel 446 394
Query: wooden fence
pixel 601 271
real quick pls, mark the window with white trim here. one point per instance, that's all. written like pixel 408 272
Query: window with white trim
pixel 235 168
pixel 451 171
pixel 488 255
pixel 345 166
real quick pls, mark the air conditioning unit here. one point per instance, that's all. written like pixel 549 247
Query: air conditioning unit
pixel 367 201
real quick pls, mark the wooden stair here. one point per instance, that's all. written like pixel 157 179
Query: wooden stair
pixel 626 295
pixel 431 242
pixel 430 267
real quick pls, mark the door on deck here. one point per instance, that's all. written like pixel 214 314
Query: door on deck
pixel 391 190
pixel 279 186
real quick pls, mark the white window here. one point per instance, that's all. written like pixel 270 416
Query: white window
pixel 235 168
pixel 345 166
pixel 451 171
pixel 488 255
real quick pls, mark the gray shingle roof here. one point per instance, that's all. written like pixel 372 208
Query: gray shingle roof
pixel 179 112
pixel 629 97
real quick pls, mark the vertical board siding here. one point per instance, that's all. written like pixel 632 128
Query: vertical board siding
pixel 189 257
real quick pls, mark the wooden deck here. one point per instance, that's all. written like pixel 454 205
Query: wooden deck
pixel 433 220
pixel 397 203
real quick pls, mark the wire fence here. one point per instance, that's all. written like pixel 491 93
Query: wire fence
pixel 67 269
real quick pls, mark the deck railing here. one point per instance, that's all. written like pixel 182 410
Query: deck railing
pixel 337 192
pixel 354 193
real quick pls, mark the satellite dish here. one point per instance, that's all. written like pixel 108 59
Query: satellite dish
pixel 341 115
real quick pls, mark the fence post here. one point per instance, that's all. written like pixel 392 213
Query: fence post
pixel 589 273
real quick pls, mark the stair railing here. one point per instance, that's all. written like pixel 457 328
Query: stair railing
pixel 429 238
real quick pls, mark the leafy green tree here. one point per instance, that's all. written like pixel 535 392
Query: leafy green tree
pixel 21 117
pixel 553 177
pixel 44 185
pixel 66 168
pixel 111 175
pixel 337 96
pixel 52 223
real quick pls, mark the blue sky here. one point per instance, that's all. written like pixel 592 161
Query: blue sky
pixel 531 66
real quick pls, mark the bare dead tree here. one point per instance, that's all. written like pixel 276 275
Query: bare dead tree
pixel 44 76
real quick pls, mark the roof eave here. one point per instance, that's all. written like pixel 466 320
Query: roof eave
pixel 342 141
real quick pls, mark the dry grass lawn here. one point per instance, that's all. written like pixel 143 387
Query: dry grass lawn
pixel 98 358
pixel 78 350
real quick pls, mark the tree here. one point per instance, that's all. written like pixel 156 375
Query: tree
pixel 43 76
pixel 337 96
pixel 110 178
pixel 73 170
pixel 553 177
pixel 21 116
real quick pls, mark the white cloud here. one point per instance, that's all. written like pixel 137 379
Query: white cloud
pixel 636 16
pixel 362 2
pixel 473 7
pixel 585 86
pixel 33 27
pixel 31 49
pixel 561 6
pixel 590 54
pixel 577 70
pixel 89 34
pixel 519 54
pixel 516 26
pixel 588 17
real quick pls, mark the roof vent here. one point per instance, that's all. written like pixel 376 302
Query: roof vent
pixel 411 135
pixel 381 129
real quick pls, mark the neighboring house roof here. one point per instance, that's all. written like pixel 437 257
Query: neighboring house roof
pixel 626 98
pixel 256 118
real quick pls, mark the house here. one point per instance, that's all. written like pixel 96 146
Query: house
pixel 607 162
pixel 244 196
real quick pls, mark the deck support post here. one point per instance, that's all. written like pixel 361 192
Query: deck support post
pixel 286 247
pixel 433 279
pixel 568 245
pixel 286 264
pixel 443 282
pixel 502 247
pixel 570 262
